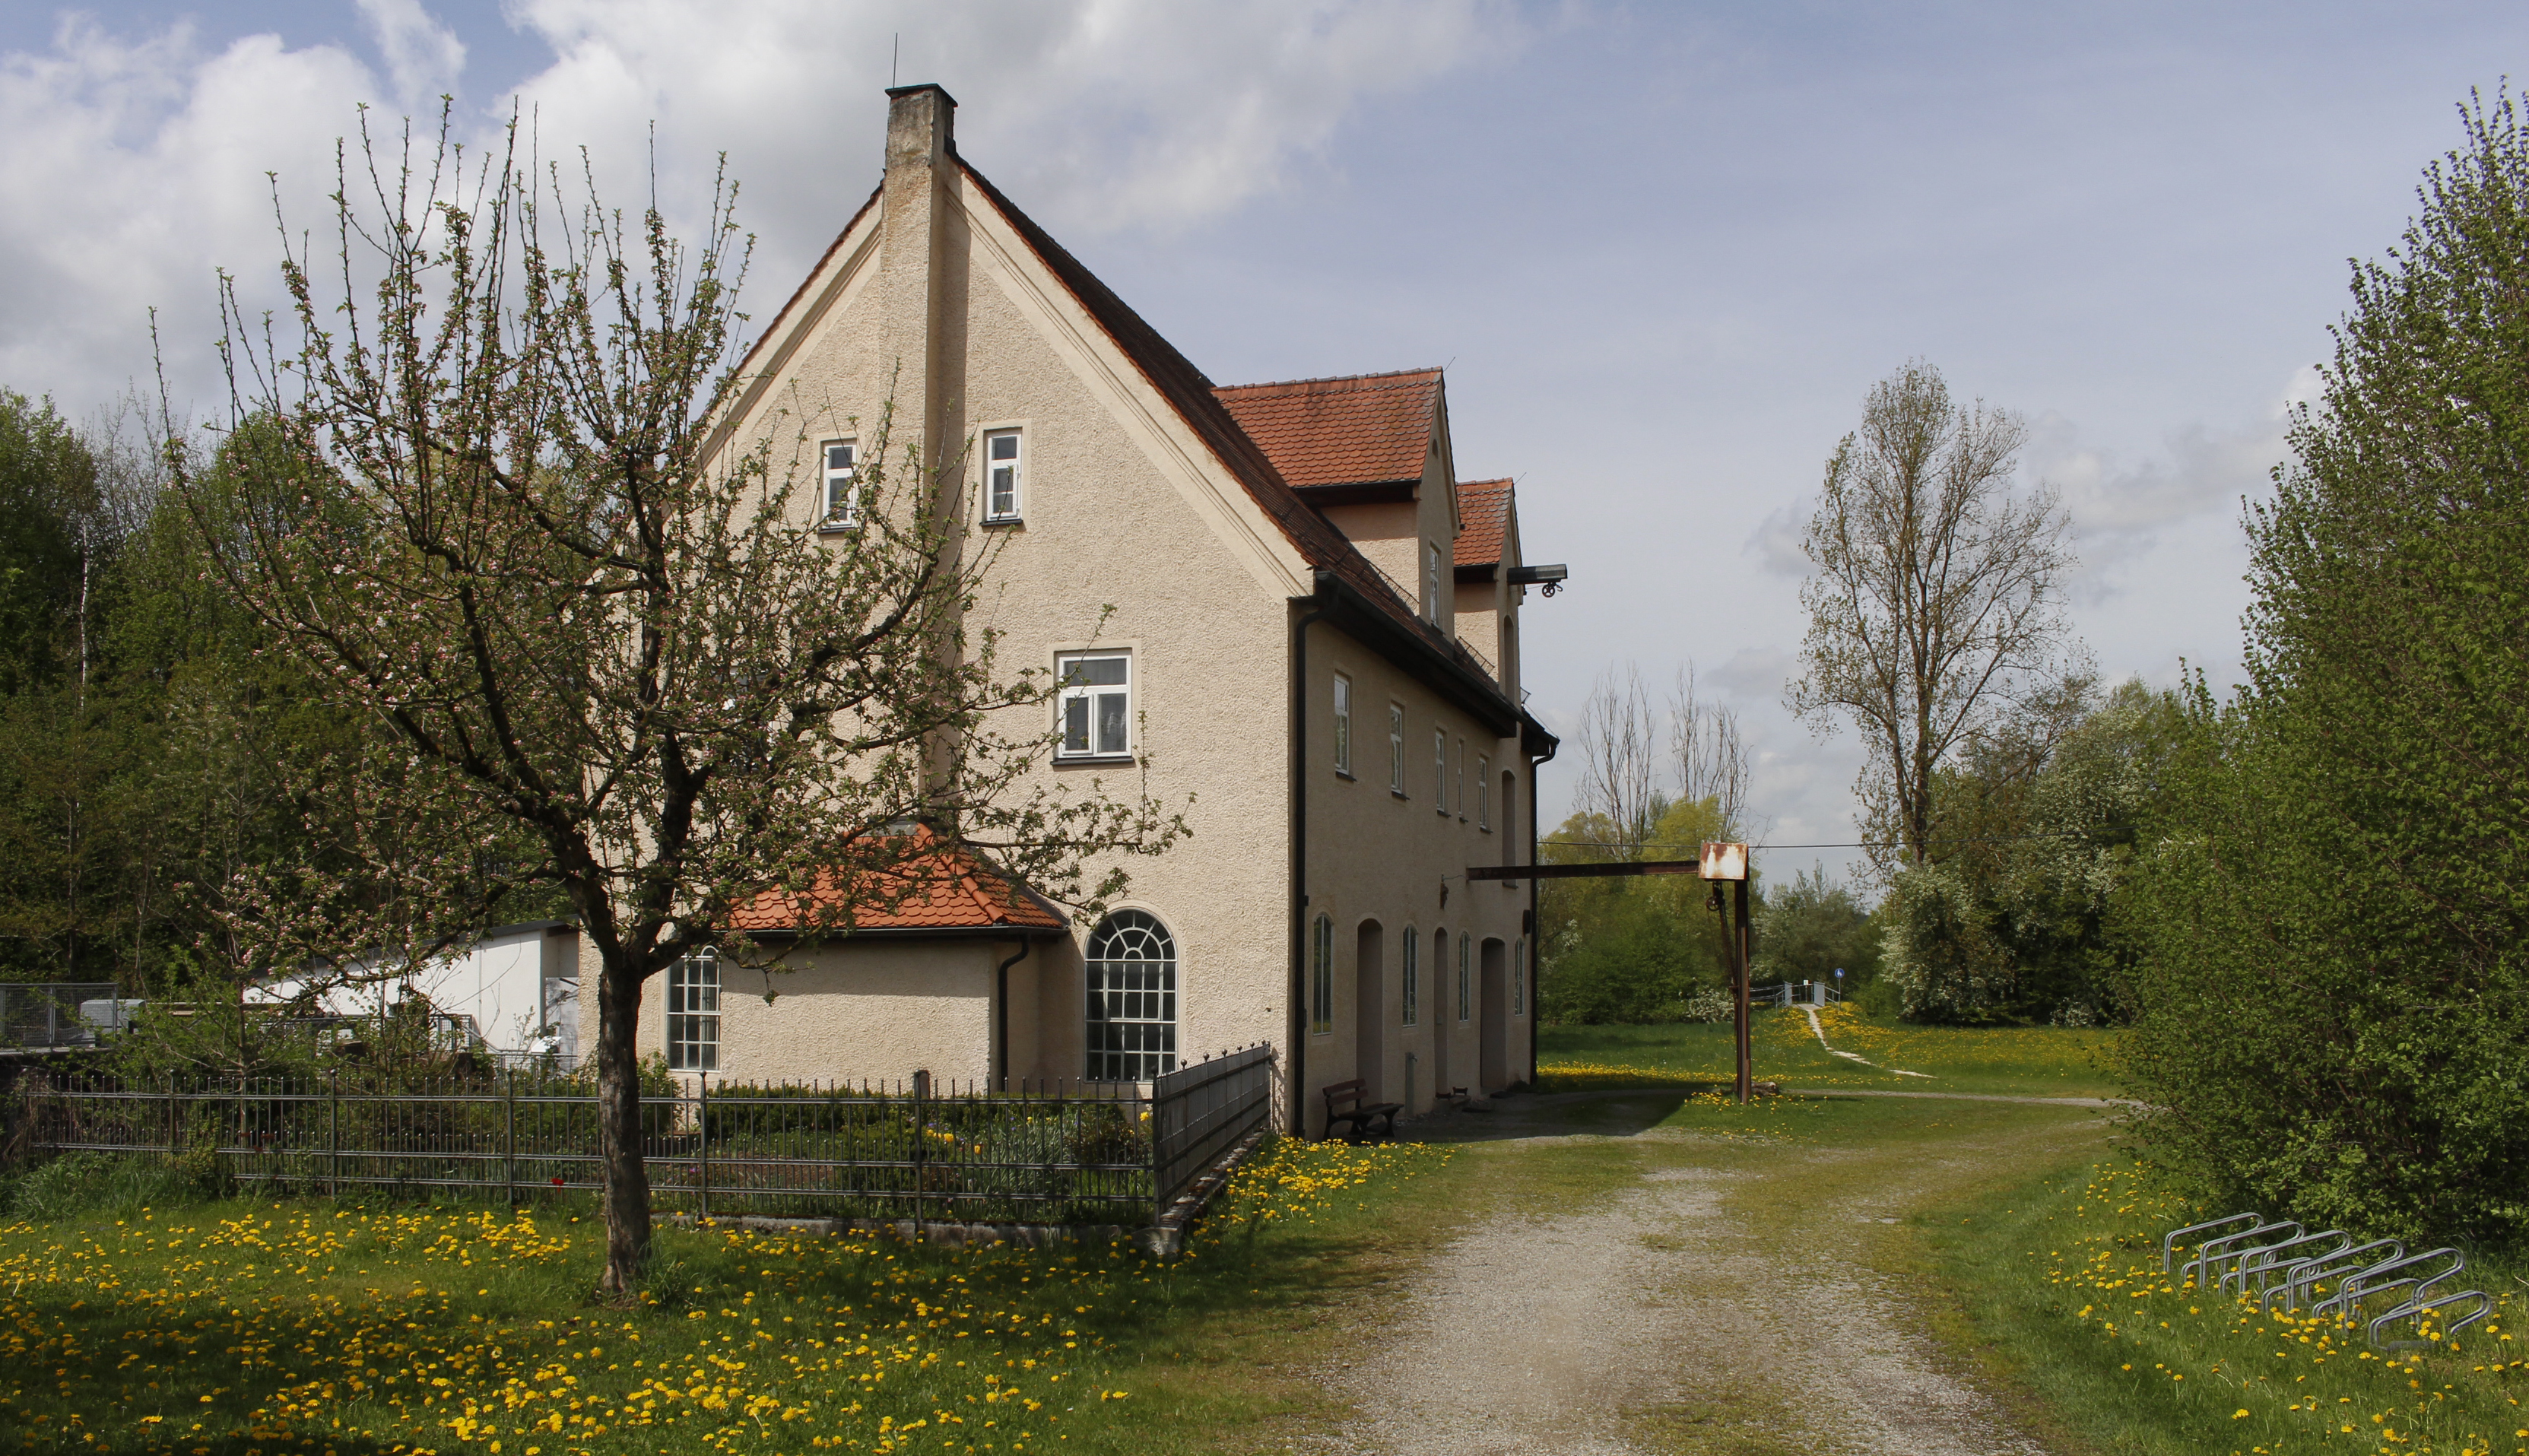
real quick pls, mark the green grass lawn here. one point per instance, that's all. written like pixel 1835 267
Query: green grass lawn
pixel 2028 1062
pixel 235 1328
pixel 2060 1282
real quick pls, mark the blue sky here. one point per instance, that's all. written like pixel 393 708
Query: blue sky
pixel 1663 249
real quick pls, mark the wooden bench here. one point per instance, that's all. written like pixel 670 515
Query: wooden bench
pixel 1346 1106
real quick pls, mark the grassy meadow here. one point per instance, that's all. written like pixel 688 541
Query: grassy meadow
pixel 2025 1061
pixel 2060 1281
pixel 243 1328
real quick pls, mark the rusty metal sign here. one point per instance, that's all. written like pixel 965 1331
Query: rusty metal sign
pixel 1725 861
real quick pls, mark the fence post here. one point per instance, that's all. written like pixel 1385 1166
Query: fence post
pixel 921 1152
pixel 1158 1192
pixel 510 1134
pixel 169 1078
pixel 334 1133
pixel 702 1138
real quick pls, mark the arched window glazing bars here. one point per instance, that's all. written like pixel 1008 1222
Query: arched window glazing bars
pixel 1132 976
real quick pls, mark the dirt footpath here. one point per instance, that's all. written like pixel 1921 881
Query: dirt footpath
pixel 1715 1297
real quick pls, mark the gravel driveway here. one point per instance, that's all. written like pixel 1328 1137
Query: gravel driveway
pixel 1658 1319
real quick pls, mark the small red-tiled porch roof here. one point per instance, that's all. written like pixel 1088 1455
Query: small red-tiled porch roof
pixel 1483 522
pixel 942 887
pixel 1359 429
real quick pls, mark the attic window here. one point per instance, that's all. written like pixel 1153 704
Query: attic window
pixel 842 484
pixel 1431 582
pixel 1002 475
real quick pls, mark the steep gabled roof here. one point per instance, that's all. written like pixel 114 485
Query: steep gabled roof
pixel 934 888
pixel 1357 429
pixel 1484 513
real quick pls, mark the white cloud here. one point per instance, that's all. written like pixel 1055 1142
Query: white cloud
pixel 1776 541
pixel 137 166
pixel 423 57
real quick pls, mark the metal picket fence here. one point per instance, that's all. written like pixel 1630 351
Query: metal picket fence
pixel 926 1149
pixel 48 1014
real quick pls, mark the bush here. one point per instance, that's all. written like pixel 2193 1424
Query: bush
pixel 2333 1010
pixel 101 1183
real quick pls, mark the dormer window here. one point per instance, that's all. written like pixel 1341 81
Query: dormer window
pixel 1001 464
pixel 1431 582
pixel 842 484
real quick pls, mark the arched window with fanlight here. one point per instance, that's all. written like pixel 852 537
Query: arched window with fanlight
pixel 1132 976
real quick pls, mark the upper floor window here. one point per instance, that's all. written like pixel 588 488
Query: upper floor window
pixel 693 1013
pixel 1322 977
pixel 1519 978
pixel 1343 724
pixel 1395 748
pixel 1410 982
pixel 842 478
pixel 1431 607
pixel 1096 704
pixel 1132 970
pixel 1440 769
pixel 1483 794
pixel 1462 778
pixel 1001 466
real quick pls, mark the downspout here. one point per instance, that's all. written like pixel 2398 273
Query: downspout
pixel 1299 1027
pixel 1536 974
pixel 1001 1017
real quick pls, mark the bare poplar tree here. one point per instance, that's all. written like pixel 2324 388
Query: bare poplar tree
pixel 1621 768
pixel 489 501
pixel 1708 751
pixel 1934 618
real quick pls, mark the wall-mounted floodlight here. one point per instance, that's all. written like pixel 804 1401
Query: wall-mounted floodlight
pixel 1549 576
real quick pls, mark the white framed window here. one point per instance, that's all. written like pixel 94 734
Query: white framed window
pixel 1409 981
pixel 1343 725
pixel 1395 748
pixel 1003 468
pixel 1132 972
pixel 1519 978
pixel 842 481
pixel 1321 978
pixel 1432 606
pixel 1440 770
pixel 1462 778
pixel 1095 704
pixel 1466 986
pixel 693 1013
pixel 1484 793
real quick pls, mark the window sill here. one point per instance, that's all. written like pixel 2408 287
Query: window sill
pixel 998 523
pixel 1400 795
pixel 1346 778
pixel 839 528
pixel 1093 760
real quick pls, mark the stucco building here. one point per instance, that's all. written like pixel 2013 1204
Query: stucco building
pixel 1314 629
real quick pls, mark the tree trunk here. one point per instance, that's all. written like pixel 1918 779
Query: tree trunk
pixel 619 1131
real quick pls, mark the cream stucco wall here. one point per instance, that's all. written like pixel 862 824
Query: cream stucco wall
pixel 1132 537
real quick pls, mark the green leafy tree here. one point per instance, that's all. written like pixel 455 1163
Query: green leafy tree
pixel 2016 921
pixel 2334 1003
pixel 1636 948
pixel 1813 927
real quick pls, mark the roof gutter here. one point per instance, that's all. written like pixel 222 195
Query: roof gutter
pixel 922 933
pixel 1419 651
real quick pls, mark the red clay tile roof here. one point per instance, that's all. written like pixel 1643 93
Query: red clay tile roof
pixel 1356 430
pixel 940 888
pixel 1483 520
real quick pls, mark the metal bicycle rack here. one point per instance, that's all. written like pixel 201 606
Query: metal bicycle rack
pixel 2270 1259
